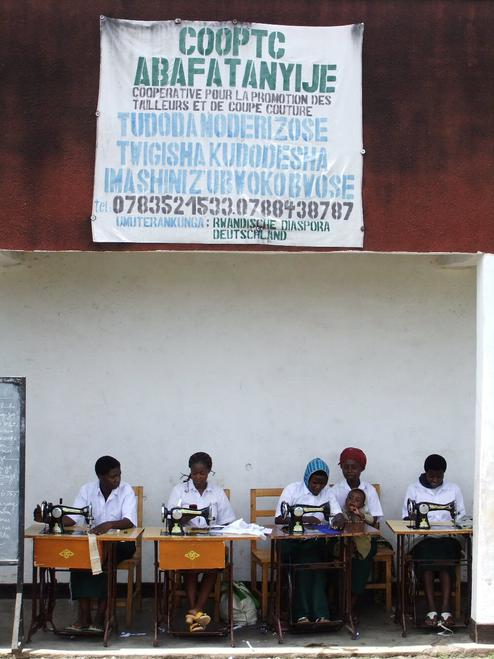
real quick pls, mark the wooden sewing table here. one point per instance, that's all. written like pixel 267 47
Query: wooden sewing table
pixel 189 552
pixel 70 551
pixel 343 563
pixel 405 535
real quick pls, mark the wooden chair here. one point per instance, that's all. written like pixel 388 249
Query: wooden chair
pixel 134 568
pixel 382 570
pixel 261 557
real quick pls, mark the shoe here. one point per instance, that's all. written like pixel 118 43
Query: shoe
pixel 446 619
pixel 431 619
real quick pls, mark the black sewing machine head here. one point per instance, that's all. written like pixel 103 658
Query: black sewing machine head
pixel 418 512
pixel 175 518
pixel 52 515
pixel 296 512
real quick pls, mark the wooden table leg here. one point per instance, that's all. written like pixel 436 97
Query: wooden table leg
pixel 34 626
pixel 401 574
pixel 157 608
pixel 468 555
pixel 51 599
pixel 279 580
pixel 347 578
pixel 230 593
pixel 111 591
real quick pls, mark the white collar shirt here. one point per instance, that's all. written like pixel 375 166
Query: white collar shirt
pixel 186 494
pixel 443 494
pixel 299 493
pixel 372 503
pixel 120 503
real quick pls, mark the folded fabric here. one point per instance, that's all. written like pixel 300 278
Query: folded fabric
pixel 240 527
pixel 94 556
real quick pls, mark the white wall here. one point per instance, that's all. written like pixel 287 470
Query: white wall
pixel 265 361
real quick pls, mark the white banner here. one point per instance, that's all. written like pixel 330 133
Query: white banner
pixel 229 133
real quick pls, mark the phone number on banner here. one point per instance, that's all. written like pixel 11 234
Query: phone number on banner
pixel 214 206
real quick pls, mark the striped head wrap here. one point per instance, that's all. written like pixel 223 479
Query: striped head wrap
pixel 315 465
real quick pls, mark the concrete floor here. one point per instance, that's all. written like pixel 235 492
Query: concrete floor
pixel 379 637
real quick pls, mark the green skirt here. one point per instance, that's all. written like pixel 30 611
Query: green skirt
pixel 85 585
pixel 310 598
pixel 436 550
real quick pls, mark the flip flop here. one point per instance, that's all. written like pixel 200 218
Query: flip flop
pixel 196 627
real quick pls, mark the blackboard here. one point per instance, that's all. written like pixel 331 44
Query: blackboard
pixel 12 432
pixel 12 459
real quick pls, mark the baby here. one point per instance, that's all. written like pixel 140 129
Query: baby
pixel 354 510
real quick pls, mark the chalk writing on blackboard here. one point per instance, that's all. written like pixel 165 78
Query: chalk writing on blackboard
pixel 10 433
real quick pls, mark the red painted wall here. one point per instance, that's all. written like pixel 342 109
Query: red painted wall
pixel 428 115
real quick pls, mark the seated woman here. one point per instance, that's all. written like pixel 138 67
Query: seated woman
pixel 353 462
pixel 114 507
pixel 310 602
pixel 196 491
pixel 432 488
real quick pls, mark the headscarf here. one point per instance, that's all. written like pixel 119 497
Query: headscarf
pixel 352 453
pixel 315 465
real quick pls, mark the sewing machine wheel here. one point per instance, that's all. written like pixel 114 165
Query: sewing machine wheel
pixel 298 511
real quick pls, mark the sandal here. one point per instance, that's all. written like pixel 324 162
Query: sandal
pixel 431 619
pixel 202 618
pixel 77 627
pixel 303 620
pixel 96 628
pixel 190 618
pixel 446 618
pixel 196 627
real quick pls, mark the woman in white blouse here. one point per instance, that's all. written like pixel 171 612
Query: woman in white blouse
pixel 431 487
pixel 197 492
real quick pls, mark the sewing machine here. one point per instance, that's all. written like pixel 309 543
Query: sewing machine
pixel 418 512
pixel 175 518
pixel 296 512
pixel 52 515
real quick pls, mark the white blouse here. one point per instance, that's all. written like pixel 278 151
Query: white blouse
pixel 445 493
pixel 299 493
pixel 185 494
